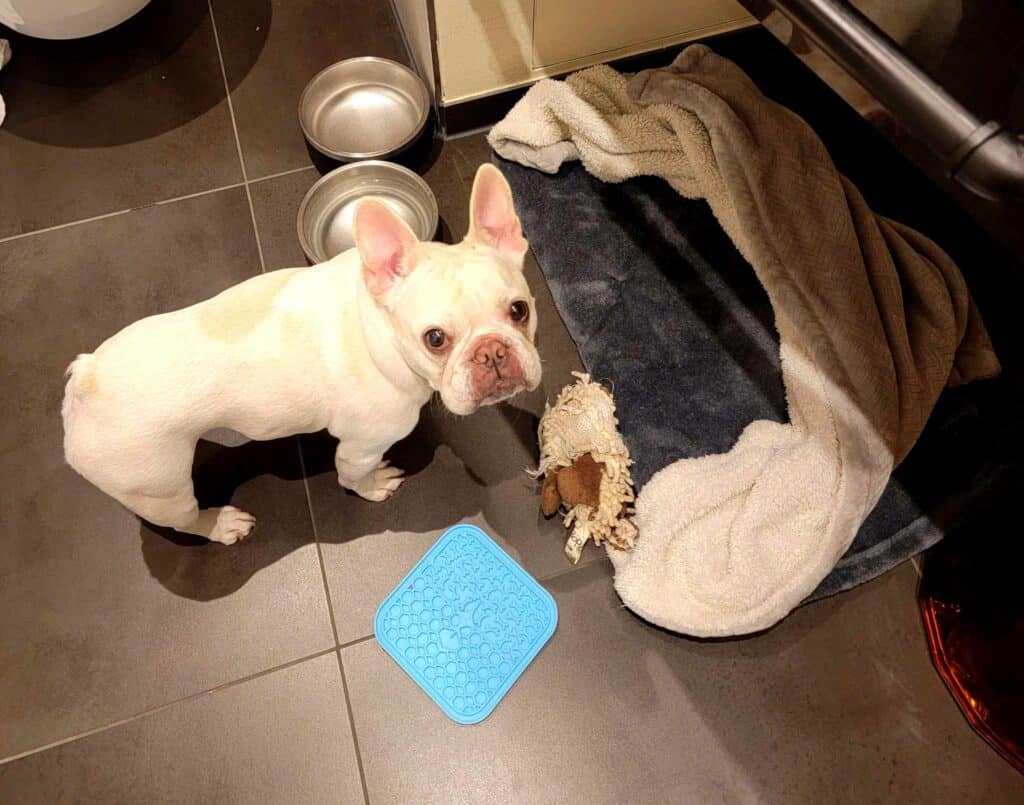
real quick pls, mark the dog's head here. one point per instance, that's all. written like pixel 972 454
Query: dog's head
pixel 462 315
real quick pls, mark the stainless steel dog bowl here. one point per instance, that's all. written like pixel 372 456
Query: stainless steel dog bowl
pixel 363 108
pixel 326 212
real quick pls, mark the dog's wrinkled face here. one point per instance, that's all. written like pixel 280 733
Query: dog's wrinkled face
pixel 463 315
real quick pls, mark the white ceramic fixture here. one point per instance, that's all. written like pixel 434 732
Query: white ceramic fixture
pixel 66 19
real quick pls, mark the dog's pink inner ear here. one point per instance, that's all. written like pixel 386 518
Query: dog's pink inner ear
pixel 493 219
pixel 385 245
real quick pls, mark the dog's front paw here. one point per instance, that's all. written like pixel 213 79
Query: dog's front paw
pixel 232 525
pixel 380 484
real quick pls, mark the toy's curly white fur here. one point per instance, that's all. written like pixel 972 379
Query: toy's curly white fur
pixel 581 421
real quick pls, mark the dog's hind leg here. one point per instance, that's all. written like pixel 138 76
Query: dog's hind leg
pixel 113 447
pixel 180 511
pixel 154 480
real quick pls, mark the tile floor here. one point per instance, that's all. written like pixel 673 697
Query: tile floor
pixel 153 166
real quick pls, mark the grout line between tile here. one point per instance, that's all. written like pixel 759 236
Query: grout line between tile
pixel 352 727
pixel 115 213
pixel 255 230
pixel 238 141
pixel 316 540
pixel 279 174
pixel 166 706
pixel 334 624
pixel 186 197
pixel 105 215
pixel 160 203
pixel 355 642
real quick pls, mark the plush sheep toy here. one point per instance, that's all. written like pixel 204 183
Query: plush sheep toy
pixel 585 465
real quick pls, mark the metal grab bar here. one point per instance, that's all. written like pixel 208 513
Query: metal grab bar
pixel 983 157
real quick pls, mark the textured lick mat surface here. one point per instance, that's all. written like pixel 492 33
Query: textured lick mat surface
pixel 465 623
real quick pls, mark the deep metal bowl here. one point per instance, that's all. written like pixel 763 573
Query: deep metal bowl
pixel 326 212
pixel 363 108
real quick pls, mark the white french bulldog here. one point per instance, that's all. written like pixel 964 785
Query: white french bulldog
pixel 355 345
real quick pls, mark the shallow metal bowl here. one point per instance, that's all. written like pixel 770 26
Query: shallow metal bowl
pixel 326 212
pixel 363 108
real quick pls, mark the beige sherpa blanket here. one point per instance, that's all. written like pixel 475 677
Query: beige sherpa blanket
pixel 874 321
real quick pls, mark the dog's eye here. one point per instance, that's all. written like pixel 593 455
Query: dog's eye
pixel 520 311
pixel 435 339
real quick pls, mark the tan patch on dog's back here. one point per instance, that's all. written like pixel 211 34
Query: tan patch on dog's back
pixel 297 336
pixel 86 383
pixel 354 348
pixel 233 314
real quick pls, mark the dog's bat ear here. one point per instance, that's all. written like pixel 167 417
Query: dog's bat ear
pixel 492 214
pixel 385 243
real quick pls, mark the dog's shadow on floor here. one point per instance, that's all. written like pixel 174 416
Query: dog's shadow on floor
pixel 448 481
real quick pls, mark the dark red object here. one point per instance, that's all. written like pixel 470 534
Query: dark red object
pixel 972 602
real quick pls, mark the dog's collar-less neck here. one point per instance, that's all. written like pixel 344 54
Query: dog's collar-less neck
pixel 386 355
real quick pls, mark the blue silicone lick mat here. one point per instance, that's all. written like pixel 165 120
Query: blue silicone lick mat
pixel 465 623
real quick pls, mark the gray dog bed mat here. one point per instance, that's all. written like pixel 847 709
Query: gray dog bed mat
pixel 666 313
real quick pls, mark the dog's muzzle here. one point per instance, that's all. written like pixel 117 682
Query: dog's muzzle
pixel 496 372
